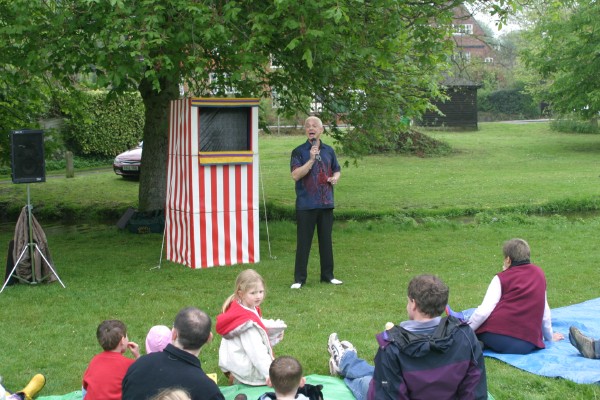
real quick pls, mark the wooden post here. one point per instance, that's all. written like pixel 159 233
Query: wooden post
pixel 70 168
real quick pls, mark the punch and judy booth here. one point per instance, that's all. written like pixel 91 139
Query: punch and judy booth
pixel 212 182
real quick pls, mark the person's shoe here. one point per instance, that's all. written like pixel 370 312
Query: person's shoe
pixel 455 314
pixel 571 339
pixel 584 344
pixel 347 346
pixel 296 285
pixel 335 348
pixel 335 282
pixel 33 387
pixel 334 368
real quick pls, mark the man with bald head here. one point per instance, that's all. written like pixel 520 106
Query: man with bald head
pixel 316 171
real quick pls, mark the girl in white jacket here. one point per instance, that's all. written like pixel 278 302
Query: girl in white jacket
pixel 246 350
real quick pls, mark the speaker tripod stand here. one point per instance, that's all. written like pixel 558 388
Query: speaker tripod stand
pixel 32 247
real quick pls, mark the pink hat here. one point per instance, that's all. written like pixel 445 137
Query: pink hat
pixel 158 338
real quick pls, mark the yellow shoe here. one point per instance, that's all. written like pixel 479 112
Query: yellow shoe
pixel 33 387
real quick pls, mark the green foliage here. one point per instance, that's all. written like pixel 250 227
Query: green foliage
pixel 402 141
pixel 574 125
pixel 102 125
pixel 388 52
pixel 511 103
pixel 562 47
pixel 24 99
pixel 81 163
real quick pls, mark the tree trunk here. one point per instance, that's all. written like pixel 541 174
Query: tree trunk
pixel 153 174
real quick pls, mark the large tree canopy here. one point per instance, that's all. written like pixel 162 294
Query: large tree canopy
pixel 376 60
pixel 563 46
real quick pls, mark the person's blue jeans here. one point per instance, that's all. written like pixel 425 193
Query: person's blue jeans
pixel 500 343
pixel 357 374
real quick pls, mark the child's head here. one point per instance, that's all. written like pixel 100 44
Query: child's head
pixel 285 375
pixel 110 334
pixel 249 289
pixel 158 338
pixel 517 250
pixel 429 293
pixel 172 394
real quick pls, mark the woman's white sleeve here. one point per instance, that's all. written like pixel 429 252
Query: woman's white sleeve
pixel 491 298
pixel 547 320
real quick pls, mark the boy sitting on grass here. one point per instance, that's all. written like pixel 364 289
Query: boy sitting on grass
pixel 103 377
pixel 285 376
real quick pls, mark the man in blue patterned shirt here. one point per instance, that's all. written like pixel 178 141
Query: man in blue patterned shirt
pixel 315 170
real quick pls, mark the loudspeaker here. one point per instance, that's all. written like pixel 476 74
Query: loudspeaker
pixel 27 158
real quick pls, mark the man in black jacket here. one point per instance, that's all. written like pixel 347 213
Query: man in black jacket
pixel 177 365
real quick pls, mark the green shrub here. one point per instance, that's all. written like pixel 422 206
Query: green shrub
pixel 513 102
pixel 79 163
pixel 24 100
pixel 101 125
pixel 571 125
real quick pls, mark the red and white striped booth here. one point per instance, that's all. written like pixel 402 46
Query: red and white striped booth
pixel 211 212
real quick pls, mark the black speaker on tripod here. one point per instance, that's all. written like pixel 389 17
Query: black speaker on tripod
pixel 27 156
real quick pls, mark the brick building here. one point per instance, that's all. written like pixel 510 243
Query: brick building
pixel 470 38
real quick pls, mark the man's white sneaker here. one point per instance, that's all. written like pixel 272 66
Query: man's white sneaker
pixel 334 369
pixel 347 346
pixel 335 348
pixel 335 282
pixel 296 285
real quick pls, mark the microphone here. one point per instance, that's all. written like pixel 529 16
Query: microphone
pixel 314 143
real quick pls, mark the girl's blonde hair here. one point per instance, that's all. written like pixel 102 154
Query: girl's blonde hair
pixel 247 280
pixel 172 394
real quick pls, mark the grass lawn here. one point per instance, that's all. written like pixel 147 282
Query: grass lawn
pixel 502 168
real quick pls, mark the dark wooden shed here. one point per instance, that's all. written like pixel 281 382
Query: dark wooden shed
pixel 460 110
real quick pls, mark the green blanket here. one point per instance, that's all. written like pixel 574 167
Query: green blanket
pixel 69 396
pixel 333 389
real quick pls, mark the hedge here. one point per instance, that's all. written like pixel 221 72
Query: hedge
pixel 104 125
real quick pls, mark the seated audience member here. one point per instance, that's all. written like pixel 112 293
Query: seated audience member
pixel 172 394
pixel 285 377
pixel 514 317
pixel 426 357
pixel 246 350
pixel 159 336
pixel 588 347
pixel 104 374
pixel 177 365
